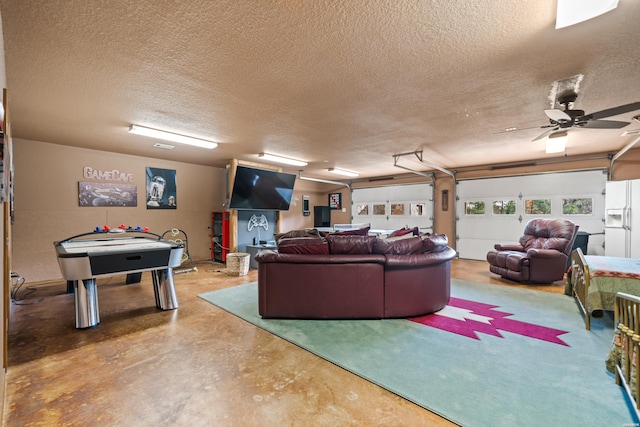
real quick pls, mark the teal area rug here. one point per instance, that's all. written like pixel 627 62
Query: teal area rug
pixel 496 356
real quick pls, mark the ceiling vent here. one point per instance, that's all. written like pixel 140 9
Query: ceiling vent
pixel 164 146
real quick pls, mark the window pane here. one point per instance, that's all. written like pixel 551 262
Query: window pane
pixel 418 209
pixel 504 207
pixel 397 209
pixel 362 209
pixel 577 206
pixel 474 208
pixel 378 209
pixel 537 207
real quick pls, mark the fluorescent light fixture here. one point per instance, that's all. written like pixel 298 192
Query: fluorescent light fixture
pixel 572 12
pixel 343 172
pixel 279 159
pixel 173 137
pixel 557 142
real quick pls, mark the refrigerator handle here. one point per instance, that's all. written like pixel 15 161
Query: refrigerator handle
pixel 626 218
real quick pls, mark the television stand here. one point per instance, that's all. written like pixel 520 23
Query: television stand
pixel 254 250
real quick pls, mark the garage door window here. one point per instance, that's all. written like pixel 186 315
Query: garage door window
pixel 583 206
pixel 474 208
pixel 537 207
pixel 504 207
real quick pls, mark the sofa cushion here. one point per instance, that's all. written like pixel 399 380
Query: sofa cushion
pixel 408 246
pixel 432 258
pixel 350 244
pixel 434 242
pixel 297 233
pixel 304 246
pixel 382 246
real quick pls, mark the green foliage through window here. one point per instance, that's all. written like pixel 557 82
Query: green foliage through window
pixel 474 208
pixel 504 207
pixel 577 206
pixel 537 207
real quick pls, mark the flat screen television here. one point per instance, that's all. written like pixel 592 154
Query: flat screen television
pixel 261 189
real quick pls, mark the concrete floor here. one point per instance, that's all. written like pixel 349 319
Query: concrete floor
pixel 194 366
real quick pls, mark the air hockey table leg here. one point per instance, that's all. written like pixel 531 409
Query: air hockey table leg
pixel 164 289
pixel 86 296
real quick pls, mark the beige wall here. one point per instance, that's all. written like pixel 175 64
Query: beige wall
pixel 4 286
pixel 318 193
pixel 46 202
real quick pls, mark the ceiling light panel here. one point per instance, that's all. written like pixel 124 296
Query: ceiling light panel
pixel 280 159
pixel 343 172
pixel 173 137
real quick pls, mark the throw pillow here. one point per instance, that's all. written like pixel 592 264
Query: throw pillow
pixel 358 232
pixel 401 232
pixel 394 238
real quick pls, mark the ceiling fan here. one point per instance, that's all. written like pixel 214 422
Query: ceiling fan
pixel 567 118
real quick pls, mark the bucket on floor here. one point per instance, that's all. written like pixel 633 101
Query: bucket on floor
pixel 238 264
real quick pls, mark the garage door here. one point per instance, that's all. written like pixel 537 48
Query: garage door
pixel 495 210
pixel 394 206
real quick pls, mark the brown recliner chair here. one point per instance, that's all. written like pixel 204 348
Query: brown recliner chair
pixel 541 256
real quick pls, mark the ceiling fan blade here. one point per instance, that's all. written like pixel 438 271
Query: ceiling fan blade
pixel 604 124
pixel 621 109
pixel 516 129
pixel 545 134
pixel 557 115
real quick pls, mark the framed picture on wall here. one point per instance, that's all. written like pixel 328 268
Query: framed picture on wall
pixel 161 189
pixel 335 200
pixel 107 194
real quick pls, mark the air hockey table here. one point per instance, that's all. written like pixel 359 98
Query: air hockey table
pixel 85 257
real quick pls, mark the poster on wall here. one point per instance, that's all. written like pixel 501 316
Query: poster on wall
pixel 161 189
pixel 107 194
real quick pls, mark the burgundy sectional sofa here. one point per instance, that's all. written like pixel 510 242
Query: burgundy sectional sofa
pixel 354 277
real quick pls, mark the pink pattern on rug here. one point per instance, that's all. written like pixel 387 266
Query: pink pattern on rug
pixel 480 317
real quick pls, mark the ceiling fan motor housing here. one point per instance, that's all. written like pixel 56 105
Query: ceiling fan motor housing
pixel 567 97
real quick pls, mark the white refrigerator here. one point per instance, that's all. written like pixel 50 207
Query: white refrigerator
pixel 622 219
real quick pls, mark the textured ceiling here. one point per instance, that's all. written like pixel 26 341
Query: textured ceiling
pixel 337 83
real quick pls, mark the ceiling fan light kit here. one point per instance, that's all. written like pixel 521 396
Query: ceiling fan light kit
pixel 173 137
pixel 280 159
pixel 557 142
